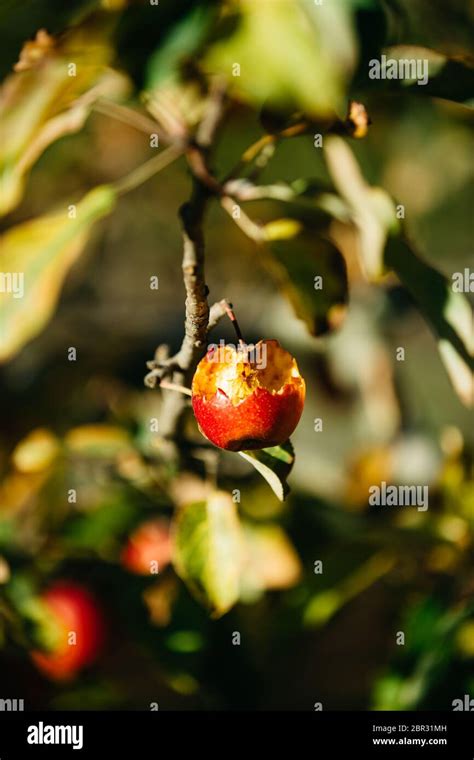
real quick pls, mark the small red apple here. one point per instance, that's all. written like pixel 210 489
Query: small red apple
pixel 150 543
pixel 73 610
pixel 248 399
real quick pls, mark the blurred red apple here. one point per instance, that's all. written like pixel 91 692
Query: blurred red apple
pixel 73 610
pixel 149 544
pixel 248 399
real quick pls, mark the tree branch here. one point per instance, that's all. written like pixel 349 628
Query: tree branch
pixel 181 366
pixel 197 308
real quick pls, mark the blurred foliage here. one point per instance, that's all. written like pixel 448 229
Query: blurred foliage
pixel 319 585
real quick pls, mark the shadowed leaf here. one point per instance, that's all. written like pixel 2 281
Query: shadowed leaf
pixel 442 26
pixel 371 208
pixel 274 464
pixel 312 274
pixel 448 313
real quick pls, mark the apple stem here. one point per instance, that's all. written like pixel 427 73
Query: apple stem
pixel 229 310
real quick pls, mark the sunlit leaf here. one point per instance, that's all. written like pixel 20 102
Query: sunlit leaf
pixel 274 464
pixel 50 94
pixel 208 551
pixel 36 452
pixel 271 561
pixel 382 245
pixel 39 254
pixel 99 440
pixel 309 77
pixel 4 571
pixel 281 229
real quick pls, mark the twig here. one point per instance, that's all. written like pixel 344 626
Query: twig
pixel 244 190
pixel 265 144
pixel 148 169
pixel 173 387
pixel 216 312
pixel 128 116
pixel 249 155
pixel 198 150
pixel 164 110
pixel 198 164
pixel 246 224
pixel 208 127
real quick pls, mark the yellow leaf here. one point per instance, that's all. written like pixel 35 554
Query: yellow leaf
pixel 35 258
pixel 271 561
pixel 282 229
pixel 93 440
pixel 36 452
pixel 50 94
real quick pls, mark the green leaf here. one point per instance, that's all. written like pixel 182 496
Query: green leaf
pixel 311 272
pixel 286 54
pixel 324 604
pixel 435 24
pixel 181 43
pixel 38 255
pixel 274 464
pixel 174 93
pixel 448 313
pixel 208 551
pixel 101 529
pixel 185 642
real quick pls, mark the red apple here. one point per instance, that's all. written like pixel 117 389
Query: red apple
pixel 151 542
pixel 248 399
pixel 73 609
